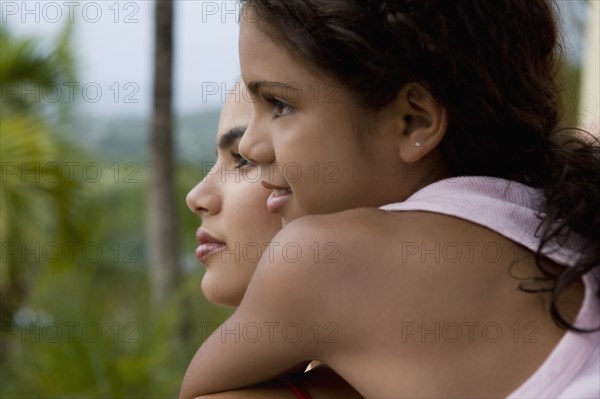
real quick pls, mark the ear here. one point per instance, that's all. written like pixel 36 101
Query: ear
pixel 421 121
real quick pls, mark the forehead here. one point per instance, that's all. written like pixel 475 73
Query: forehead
pixel 236 112
pixel 263 59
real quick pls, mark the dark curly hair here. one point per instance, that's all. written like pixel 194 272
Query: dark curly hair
pixel 493 65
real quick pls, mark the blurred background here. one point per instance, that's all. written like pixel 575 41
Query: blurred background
pixel 99 287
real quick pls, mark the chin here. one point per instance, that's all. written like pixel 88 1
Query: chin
pixel 220 294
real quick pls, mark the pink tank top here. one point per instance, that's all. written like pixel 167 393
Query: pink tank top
pixel 512 209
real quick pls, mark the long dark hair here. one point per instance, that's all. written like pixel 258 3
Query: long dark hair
pixel 493 65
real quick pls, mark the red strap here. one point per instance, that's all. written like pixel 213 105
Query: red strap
pixel 299 390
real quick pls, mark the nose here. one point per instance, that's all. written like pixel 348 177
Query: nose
pixel 256 145
pixel 206 197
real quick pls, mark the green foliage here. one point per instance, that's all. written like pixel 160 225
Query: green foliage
pixel 77 322
pixel 25 68
pixel 35 182
pixel 110 345
pixel 39 203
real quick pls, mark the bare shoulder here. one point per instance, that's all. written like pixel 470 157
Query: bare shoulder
pixel 318 250
pixel 348 237
pixel 313 271
pixel 393 256
pixel 349 252
pixel 355 223
pixel 341 229
pixel 308 255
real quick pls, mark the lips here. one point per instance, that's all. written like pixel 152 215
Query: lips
pixel 279 196
pixel 208 245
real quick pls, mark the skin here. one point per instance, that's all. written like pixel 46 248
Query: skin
pixel 321 179
pixel 369 291
pixel 231 205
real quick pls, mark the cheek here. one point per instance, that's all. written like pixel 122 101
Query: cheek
pixel 252 209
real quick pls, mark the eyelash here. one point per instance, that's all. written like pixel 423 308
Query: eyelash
pixel 240 161
pixel 281 108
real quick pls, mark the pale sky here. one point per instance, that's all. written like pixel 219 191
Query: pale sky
pixel 114 43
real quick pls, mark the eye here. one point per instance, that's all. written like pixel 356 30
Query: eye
pixel 240 161
pixel 281 108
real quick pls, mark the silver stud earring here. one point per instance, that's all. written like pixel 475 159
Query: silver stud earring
pixel 417 144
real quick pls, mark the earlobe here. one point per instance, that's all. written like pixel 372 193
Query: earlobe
pixel 424 122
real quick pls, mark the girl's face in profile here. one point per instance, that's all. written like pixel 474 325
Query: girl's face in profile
pixel 331 154
pixel 236 225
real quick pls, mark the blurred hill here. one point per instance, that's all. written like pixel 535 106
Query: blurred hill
pixel 125 138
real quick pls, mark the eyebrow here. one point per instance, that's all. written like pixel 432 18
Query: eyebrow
pixel 255 86
pixel 232 135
